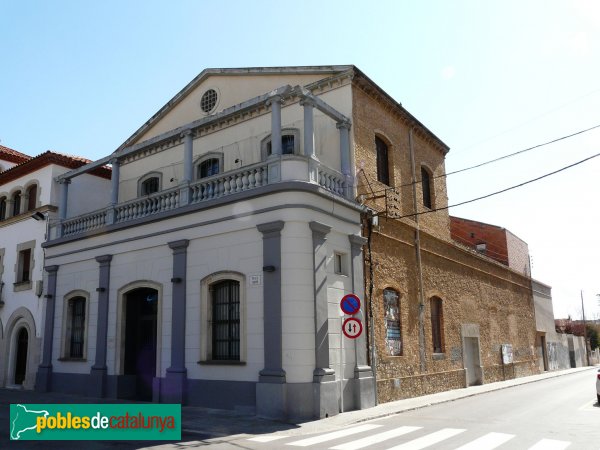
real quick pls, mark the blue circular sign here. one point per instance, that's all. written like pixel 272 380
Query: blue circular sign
pixel 350 304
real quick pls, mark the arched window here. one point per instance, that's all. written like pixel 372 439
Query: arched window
pixel 2 208
pixel 392 322
pixel 290 143
pixel 16 208
pixel 437 325
pixel 225 306
pixel 208 167
pixel 383 170
pixel 149 184
pixel 426 186
pixel 32 197
pixel 209 164
pixel 75 341
pixel 223 314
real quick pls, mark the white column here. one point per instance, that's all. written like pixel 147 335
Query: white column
pixel 344 128
pixel 114 182
pixel 276 126
pixel 64 197
pixel 309 133
pixel 188 155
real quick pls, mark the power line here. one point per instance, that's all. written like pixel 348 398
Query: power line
pixel 444 175
pixel 503 190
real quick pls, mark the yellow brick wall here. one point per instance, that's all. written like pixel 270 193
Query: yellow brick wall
pixel 473 288
pixel 370 118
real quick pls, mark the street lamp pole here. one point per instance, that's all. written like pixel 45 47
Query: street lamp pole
pixel 587 353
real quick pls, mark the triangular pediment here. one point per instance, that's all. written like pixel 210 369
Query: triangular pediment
pixel 214 90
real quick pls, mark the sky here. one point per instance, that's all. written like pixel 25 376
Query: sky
pixel 488 78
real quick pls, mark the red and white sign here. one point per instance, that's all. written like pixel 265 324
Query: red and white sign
pixel 352 328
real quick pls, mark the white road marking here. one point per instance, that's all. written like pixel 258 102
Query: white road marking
pixel 487 442
pixel 376 438
pixel 266 438
pixel 550 444
pixel 429 440
pixel 334 435
pixel 589 406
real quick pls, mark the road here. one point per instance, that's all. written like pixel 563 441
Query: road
pixel 553 414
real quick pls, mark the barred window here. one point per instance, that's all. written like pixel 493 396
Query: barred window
pixel 225 302
pixel 437 325
pixel 393 329
pixel 76 324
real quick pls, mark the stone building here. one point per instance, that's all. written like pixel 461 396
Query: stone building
pixel 442 314
pixel 28 199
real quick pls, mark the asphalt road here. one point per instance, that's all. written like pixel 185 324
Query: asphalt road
pixel 551 414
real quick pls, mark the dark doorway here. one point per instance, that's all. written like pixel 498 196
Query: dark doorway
pixel 141 306
pixel 21 358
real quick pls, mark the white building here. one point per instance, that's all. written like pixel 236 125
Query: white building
pixel 214 274
pixel 28 199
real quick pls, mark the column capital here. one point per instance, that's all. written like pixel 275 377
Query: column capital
pixel 274 99
pixel 187 132
pixel 104 259
pixel 356 240
pixel 319 229
pixel 114 162
pixel 180 245
pixel 64 181
pixel 344 124
pixel 271 228
pixel 308 102
pixel 51 269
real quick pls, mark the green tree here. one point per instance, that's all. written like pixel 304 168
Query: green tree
pixel 592 332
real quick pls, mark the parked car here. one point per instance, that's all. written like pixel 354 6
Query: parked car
pixel 598 386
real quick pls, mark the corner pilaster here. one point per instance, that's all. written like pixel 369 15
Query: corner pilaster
pixel 43 381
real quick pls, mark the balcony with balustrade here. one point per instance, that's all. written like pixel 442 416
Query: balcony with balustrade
pixel 303 170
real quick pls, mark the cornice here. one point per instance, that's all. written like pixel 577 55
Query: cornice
pixel 371 89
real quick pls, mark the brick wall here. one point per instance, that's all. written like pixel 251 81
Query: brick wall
pixel 474 290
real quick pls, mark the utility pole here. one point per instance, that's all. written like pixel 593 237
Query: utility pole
pixel 422 355
pixel 587 353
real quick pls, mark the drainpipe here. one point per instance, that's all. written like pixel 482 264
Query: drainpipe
pixel 418 254
pixel 371 335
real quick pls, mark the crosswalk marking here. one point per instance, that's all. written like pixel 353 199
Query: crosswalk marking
pixel 429 440
pixel 266 438
pixel 376 438
pixel 334 435
pixel 550 444
pixel 487 442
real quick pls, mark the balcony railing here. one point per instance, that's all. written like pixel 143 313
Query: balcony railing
pixel 228 183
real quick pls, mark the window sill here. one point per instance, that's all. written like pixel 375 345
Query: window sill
pixel 22 286
pixel 438 356
pixel 222 363
pixel 68 359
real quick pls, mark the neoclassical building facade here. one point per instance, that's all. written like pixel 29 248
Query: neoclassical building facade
pixel 213 274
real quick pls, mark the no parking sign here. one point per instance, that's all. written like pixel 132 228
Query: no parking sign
pixel 352 327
